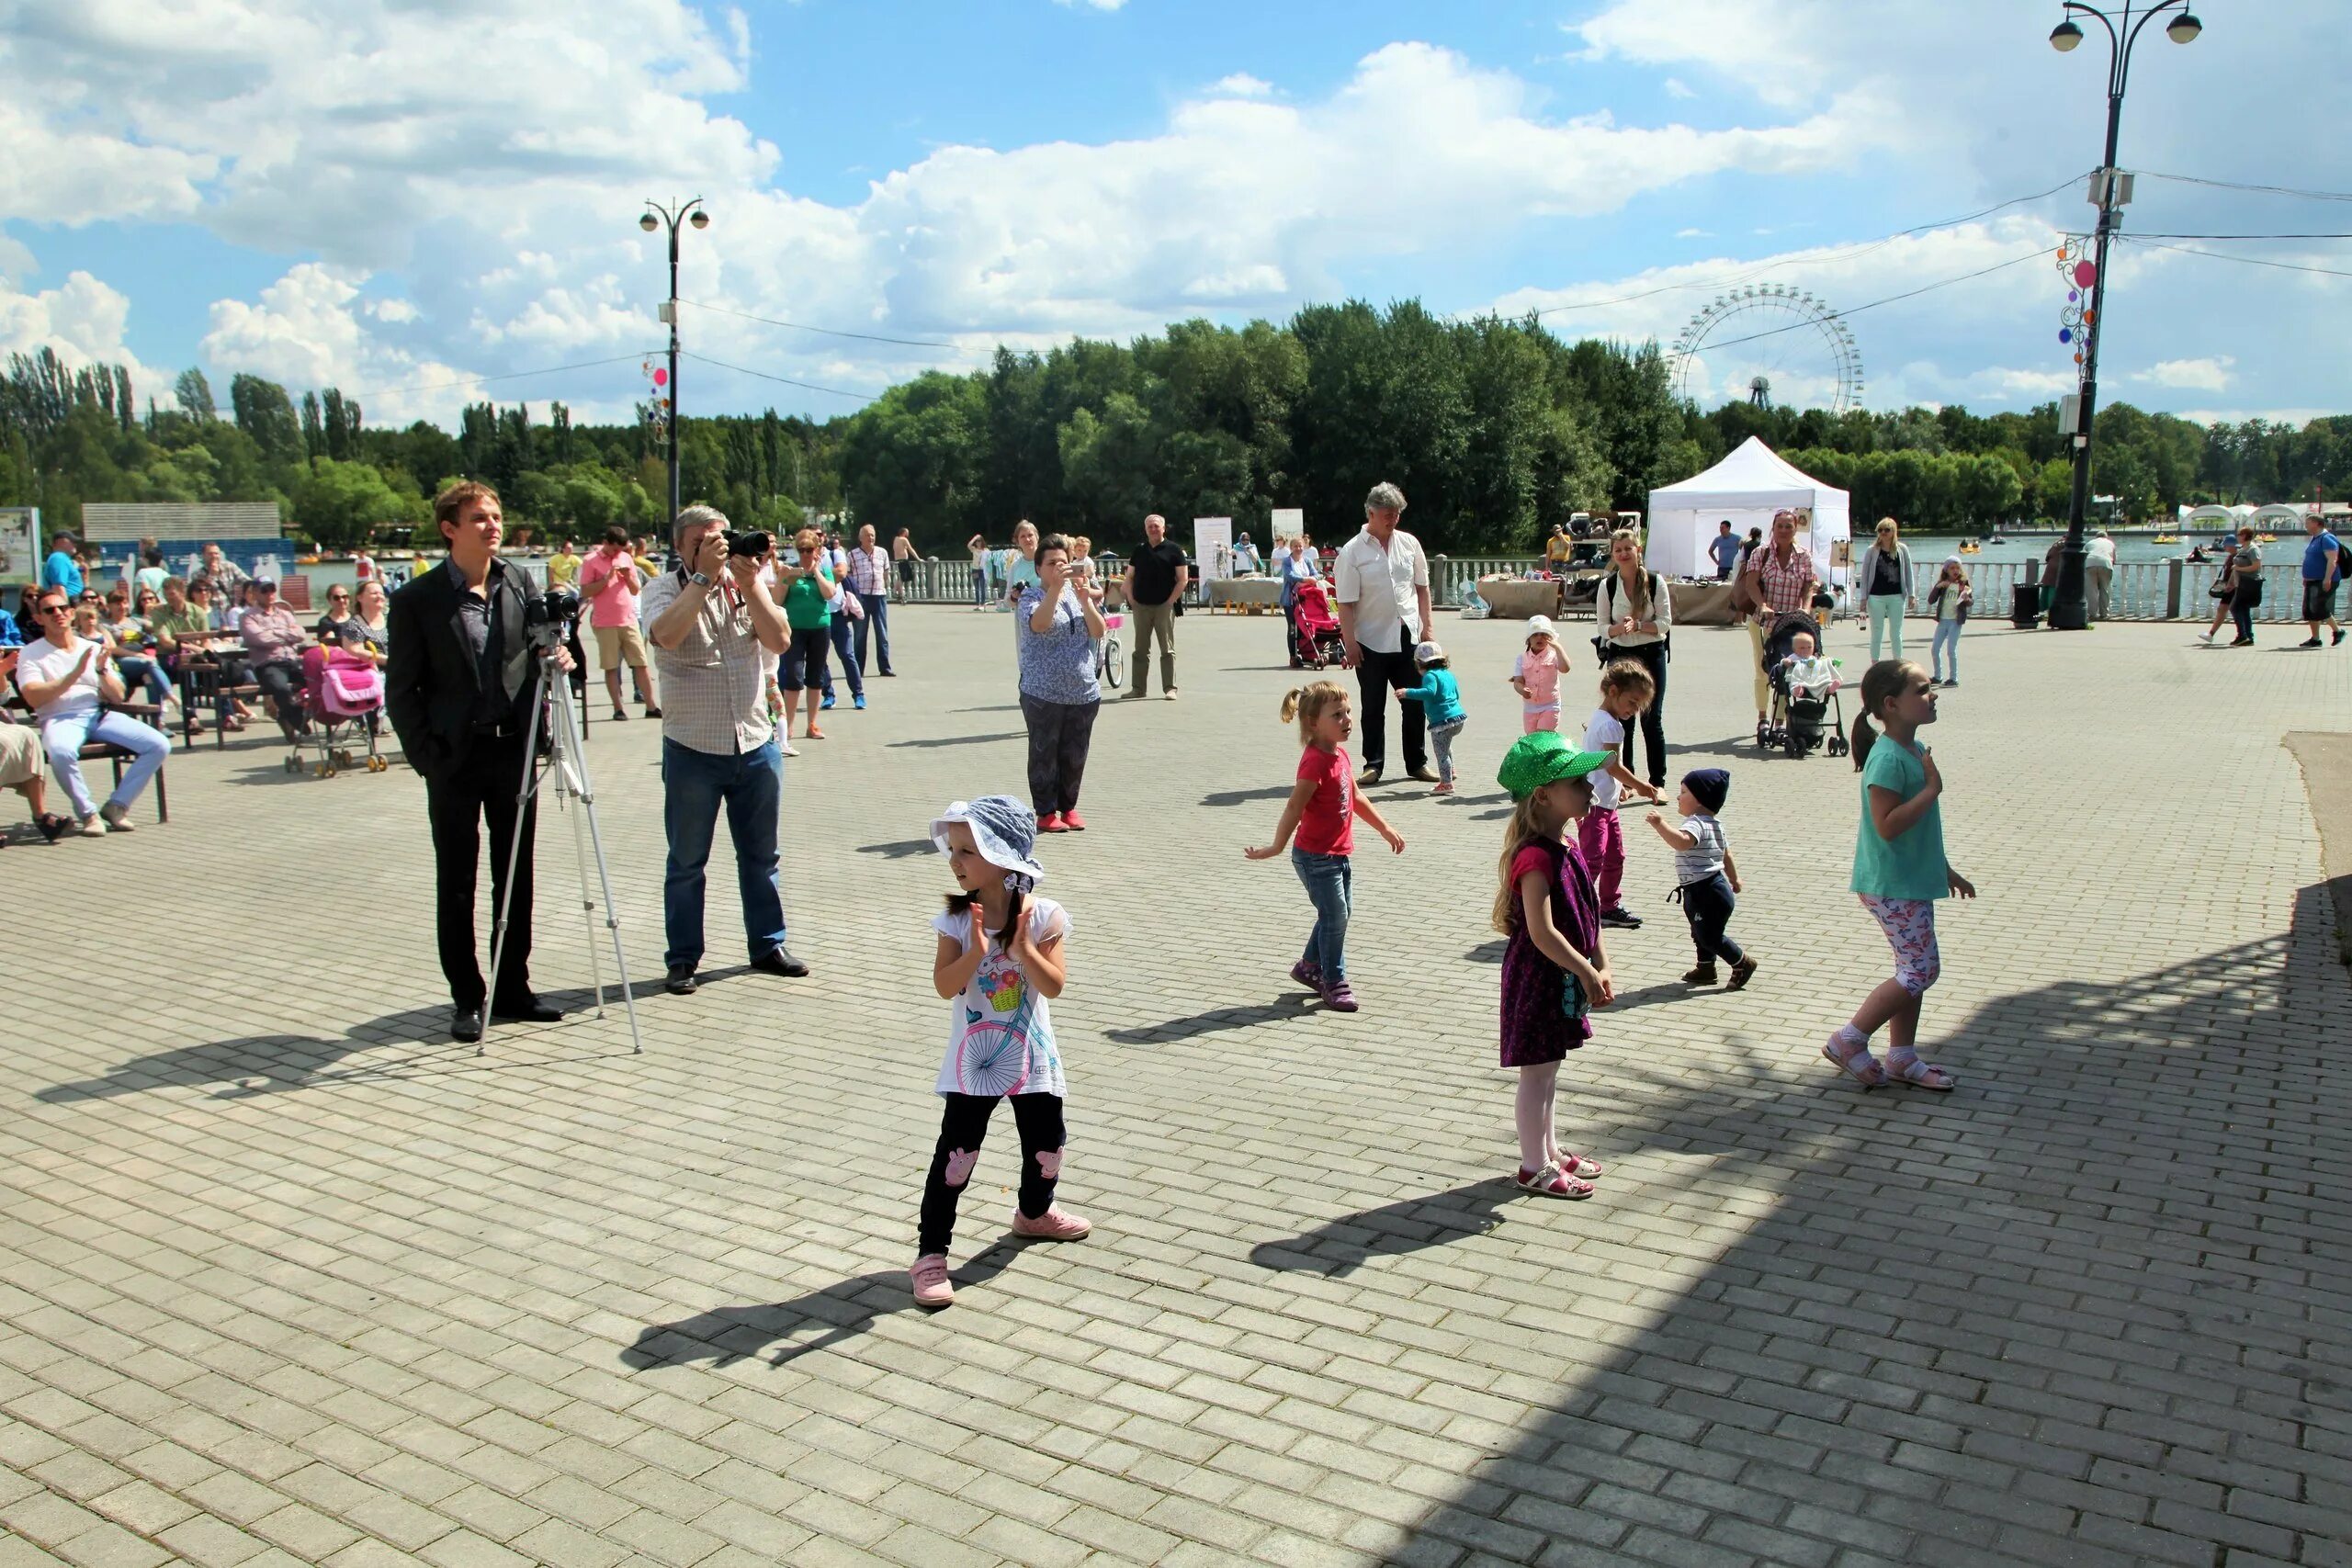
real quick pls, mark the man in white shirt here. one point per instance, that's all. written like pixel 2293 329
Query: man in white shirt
pixel 1381 578
pixel 2098 572
pixel 65 680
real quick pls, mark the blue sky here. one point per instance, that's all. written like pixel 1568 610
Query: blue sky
pixel 400 197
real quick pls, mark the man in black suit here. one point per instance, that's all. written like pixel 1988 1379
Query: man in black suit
pixel 457 688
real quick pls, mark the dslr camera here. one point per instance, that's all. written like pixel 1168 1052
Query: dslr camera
pixel 753 542
pixel 548 617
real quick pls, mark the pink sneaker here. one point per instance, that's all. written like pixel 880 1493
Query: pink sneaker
pixel 1308 974
pixel 1056 1224
pixel 1073 821
pixel 930 1278
pixel 1340 998
pixel 1051 822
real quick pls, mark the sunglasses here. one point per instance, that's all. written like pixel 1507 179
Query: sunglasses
pixel 50 610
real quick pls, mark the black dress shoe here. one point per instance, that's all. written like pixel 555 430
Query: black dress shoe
pixel 776 961
pixel 465 1024
pixel 525 1009
pixel 681 981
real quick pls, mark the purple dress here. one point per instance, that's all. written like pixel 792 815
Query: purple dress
pixel 1537 1029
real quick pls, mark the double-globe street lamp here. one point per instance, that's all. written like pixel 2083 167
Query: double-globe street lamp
pixel 690 212
pixel 2068 609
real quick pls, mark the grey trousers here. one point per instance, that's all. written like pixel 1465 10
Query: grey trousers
pixel 1060 734
pixel 1147 621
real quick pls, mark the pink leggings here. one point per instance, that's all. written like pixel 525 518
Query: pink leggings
pixel 1601 841
pixel 1910 927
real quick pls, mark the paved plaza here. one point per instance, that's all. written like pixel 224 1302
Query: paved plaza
pixel 286 1276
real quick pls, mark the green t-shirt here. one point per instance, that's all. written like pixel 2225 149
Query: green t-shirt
pixel 1912 865
pixel 806 609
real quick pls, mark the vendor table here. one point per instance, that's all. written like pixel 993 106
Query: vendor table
pixel 1703 604
pixel 1243 593
pixel 1515 599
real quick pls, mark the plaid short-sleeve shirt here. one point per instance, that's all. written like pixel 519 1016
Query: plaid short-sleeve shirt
pixel 1786 585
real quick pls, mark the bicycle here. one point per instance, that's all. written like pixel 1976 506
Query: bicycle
pixel 1113 662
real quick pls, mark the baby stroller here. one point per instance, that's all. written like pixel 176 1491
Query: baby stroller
pixel 1798 723
pixel 345 695
pixel 1315 639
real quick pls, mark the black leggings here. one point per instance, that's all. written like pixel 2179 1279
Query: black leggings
pixel 1650 656
pixel 1060 734
pixel 803 665
pixel 1707 906
pixel 963 1126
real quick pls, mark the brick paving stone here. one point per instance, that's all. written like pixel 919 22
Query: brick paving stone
pixel 296 1269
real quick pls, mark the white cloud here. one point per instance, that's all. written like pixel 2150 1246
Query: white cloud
pixel 2209 374
pixel 83 320
pixel 1097 4
pixel 1242 84
pixel 1694 234
pixel 1678 88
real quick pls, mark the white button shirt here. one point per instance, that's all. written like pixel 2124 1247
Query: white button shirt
pixel 1381 584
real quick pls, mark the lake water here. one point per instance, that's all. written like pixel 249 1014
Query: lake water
pixel 1927 549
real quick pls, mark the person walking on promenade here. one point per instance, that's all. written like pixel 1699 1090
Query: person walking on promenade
pixel 1154 578
pixel 869 579
pixel 1000 958
pixel 1776 579
pixel 2323 568
pixel 1636 609
pixel 1323 805
pixel 1949 601
pixel 1885 576
pixel 712 623
pixel 1900 871
pixel 1381 583
pixel 1706 878
pixel 1535 676
pixel 1296 563
pixel 809 592
pixel 1440 698
pixel 1625 689
pixel 1555 969
pixel 903 552
pixel 979 547
pixel 1060 625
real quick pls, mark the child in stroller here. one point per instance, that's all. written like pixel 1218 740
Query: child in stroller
pixel 1804 690
pixel 345 693
pixel 1315 639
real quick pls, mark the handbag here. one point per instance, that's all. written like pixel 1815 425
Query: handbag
pixel 2220 589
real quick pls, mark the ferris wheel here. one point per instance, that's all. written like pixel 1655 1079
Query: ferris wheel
pixel 1769 342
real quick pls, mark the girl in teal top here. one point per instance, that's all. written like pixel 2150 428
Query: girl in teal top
pixel 1899 872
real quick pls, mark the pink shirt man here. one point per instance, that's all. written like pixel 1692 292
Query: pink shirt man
pixel 614 604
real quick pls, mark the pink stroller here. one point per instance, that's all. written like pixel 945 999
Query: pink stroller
pixel 345 695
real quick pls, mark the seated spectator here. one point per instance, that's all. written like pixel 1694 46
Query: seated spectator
pixel 216 641
pixel 274 644
pixel 133 647
pixel 23 762
pixel 66 679
pixel 364 631
pixel 179 628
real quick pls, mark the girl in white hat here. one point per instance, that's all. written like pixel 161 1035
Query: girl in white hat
pixel 1536 677
pixel 999 959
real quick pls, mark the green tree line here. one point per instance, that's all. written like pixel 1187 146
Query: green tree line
pixel 1494 428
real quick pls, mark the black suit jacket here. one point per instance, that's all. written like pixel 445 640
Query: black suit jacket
pixel 430 682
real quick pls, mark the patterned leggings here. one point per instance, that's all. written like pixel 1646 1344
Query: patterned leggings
pixel 1910 927
pixel 963 1125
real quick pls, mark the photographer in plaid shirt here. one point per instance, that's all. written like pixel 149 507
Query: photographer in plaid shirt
pixel 709 621
pixel 1779 578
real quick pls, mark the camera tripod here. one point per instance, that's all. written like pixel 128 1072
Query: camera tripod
pixel 568 773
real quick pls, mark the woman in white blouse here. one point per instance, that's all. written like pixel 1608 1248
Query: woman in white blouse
pixel 1635 608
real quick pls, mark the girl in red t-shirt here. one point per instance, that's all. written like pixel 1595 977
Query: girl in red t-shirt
pixel 1322 809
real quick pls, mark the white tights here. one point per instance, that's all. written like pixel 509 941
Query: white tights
pixel 1536 1139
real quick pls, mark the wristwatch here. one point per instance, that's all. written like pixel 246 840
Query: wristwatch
pixel 699 579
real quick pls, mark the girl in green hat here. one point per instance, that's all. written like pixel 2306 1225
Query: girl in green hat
pixel 1555 968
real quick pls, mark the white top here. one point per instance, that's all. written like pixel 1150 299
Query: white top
pixel 1380 583
pixel 1813 675
pixel 2101 550
pixel 1614 605
pixel 43 661
pixel 1001 1038
pixel 1703 859
pixel 1605 733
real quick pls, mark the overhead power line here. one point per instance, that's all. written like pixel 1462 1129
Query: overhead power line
pixel 740 370
pixel 1825 257
pixel 2242 260
pixel 506 376
pixel 1812 323
pixel 832 332
pixel 2163 236
pixel 2238 184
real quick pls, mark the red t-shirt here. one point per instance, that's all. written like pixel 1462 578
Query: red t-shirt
pixel 1327 826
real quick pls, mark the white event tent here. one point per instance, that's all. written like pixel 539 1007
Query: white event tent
pixel 1746 488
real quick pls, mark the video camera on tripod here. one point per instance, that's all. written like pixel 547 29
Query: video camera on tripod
pixel 548 617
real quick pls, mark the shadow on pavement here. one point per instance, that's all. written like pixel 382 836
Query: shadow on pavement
pixel 1244 797
pixel 930 741
pixel 1339 1246
pixel 2086 1309
pixel 844 1311
pixel 1214 1021
pixel 900 848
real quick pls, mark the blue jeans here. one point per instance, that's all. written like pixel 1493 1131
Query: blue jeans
pixel 147 672
pixel 694 784
pixel 878 616
pixel 1331 885
pixel 838 632
pixel 1944 650
pixel 63 739
pixel 1441 743
pixel 980 589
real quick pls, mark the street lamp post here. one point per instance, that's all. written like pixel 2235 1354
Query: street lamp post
pixel 2068 609
pixel 691 212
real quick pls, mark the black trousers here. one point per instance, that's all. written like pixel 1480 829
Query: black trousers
pixel 1708 906
pixel 1060 734
pixel 481 788
pixel 963 1126
pixel 1378 677
pixel 280 680
pixel 1650 656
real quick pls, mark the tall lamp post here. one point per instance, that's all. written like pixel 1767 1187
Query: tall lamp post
pixel 690 212
pixel 2068 609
